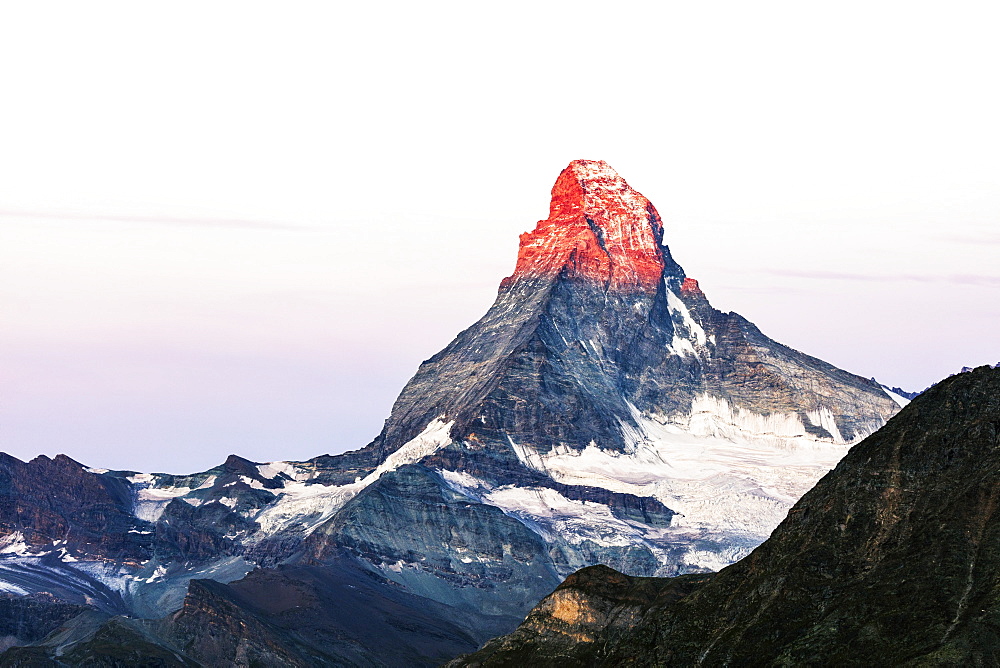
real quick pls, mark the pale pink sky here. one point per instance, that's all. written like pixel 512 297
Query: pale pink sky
pixel 239 228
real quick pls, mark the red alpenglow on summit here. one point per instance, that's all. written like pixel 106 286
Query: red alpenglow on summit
pixel 690 288
pixel 598 228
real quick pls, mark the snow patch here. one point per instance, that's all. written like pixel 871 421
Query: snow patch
pixel 435 436
pixel 463 483
pixel 824 418
pixel 112 575
pixel 274 469
pixel 150 501
pixel 689 336
pixel 712 416
pixel 730 473
pixel 306 507
pixel 902 401
pixel 559 517
pixel 718 479
pixel 251 483
pixel 10 588
pixel 549 513
pixel 529 457
pixel 14 543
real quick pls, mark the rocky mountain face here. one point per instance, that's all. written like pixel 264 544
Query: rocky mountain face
pixel 602 411
pixel 891 559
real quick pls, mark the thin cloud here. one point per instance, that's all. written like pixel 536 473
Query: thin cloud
pixel 987 237
pixel 234 223
pixel 959 279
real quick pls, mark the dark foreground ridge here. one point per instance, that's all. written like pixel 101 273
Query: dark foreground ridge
pixel 893 558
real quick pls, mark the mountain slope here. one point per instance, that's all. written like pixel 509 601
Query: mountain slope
pixel 890 559
pixel 601 365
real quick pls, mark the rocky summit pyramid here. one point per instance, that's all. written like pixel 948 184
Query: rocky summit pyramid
pixel 602 411
pixel 891 559
pixel 604 403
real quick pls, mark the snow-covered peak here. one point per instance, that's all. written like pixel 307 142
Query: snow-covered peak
pixel 599 228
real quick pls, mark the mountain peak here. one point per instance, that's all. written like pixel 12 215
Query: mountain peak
pixel 690 288
pixel 580 184
pixel 599 229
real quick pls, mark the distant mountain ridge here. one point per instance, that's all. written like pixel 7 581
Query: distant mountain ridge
pixel 909 396
pixel 904 396
pixel 602 411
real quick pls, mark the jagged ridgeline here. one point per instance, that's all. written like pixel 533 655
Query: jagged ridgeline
pixel 602 411
pixel 892 559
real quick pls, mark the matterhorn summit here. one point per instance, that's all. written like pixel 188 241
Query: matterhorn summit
pixel 603 379
pixel 601 411
pixel 598 228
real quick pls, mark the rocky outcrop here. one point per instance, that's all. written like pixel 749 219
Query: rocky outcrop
pixel 28 619
pixel 340 614
pixel 599 230
pixel 889 560
pixel 422 533
pixel 92 639
pixel 336 615
pixel 568 626
pixel 45 501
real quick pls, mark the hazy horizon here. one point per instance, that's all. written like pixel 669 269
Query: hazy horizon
pixel 242 233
